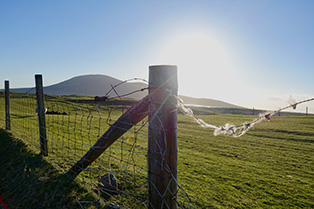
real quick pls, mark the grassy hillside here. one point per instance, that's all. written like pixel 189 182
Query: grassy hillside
pixel 272 166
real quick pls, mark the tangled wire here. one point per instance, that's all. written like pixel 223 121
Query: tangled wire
pixel 241 129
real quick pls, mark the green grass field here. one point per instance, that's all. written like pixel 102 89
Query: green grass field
pixel 272 166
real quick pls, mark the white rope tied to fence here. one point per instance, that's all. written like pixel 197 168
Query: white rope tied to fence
pixel 72 134
pixel 241 129
pixel 188 111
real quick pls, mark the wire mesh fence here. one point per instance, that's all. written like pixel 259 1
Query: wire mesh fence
pixel 2 109
pixel 118 178
pixel 23 117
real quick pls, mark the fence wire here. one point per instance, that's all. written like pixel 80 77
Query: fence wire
pixel 118 178
pixel 2 110
pixel 241 129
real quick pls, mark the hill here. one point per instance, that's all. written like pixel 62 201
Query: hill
pixel 207 102
pixel 92 85
pixel 99 85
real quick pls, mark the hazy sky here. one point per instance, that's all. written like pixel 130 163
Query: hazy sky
pixel 251 53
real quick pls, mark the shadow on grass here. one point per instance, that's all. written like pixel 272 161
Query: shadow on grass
pixel 22 117
pixel 27 180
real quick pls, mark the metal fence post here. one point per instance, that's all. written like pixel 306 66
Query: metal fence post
pixel 41 115
pixel 7 105
pixel 162 137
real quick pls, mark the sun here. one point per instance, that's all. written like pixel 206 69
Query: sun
pixel 194 49
pixel 201 59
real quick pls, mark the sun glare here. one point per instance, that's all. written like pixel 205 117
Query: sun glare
pixel 197 50
pixel 202 61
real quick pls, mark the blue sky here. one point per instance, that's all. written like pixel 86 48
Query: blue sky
pixel 250 53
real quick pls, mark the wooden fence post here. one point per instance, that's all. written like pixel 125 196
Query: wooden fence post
pixel 41 115
pixel 7 105
pixel 162 137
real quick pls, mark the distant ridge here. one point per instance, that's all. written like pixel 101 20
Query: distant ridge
pixel 99 85
pixel 95 85
pixel 92 85
pixel 207 102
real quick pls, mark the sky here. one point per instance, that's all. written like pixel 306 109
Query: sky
pixel 256 53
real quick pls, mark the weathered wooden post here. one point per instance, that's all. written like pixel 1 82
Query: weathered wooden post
pixel 162 137
pixel 41 115
pixel 7 105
